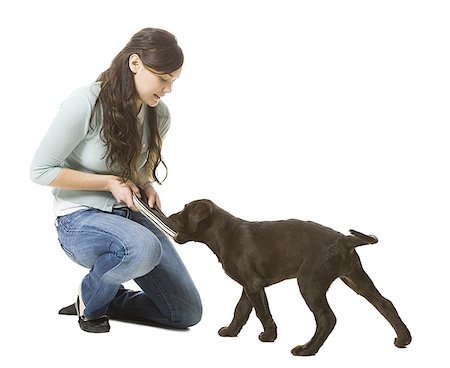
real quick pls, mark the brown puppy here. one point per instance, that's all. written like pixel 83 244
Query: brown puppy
pixel 259 254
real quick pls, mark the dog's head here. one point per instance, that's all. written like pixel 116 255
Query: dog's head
pixel 193 220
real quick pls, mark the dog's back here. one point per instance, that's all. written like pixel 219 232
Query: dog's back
pixel 277 249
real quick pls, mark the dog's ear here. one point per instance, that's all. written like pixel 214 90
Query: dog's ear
pixel 199 212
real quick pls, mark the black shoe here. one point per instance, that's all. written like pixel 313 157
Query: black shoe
pixel 97 325
pixel 70 310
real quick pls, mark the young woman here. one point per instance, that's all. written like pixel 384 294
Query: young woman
pixel 104 142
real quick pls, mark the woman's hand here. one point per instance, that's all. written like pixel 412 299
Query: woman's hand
pixel 151 194
pixel 123 191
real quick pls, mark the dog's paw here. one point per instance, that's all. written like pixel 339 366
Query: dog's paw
pixel 402 342
pixel 228 332
pixel 269 335
pixel 302 350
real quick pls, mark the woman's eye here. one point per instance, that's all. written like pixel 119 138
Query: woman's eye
pixel 164 80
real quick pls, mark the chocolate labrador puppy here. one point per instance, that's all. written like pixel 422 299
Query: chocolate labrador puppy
pixel 259 254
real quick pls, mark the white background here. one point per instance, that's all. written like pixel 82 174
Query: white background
pixel 332 111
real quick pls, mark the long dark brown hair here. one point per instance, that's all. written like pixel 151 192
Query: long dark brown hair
pixel 159 51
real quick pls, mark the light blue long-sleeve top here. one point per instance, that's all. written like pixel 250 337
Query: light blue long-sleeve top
pixel 72 142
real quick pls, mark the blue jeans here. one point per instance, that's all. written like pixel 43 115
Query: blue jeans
pixel 121 246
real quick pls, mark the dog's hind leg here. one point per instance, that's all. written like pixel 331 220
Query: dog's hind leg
pixel 313 287
pixel 360 282
pixel 241 314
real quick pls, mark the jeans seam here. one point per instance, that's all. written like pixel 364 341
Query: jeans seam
pixel 169 304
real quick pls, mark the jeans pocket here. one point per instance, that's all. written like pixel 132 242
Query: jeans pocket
pixel 71 221
pixel 64 236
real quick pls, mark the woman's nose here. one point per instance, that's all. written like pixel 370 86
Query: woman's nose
pixel 168 87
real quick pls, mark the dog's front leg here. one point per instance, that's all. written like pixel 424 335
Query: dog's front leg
pixel 241 314
pixel 259 301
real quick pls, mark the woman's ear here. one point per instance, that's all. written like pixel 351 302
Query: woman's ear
pixel 134 62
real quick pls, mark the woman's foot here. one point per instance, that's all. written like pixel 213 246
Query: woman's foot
pixel 97 325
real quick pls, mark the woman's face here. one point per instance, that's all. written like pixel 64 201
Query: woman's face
pixel 150 86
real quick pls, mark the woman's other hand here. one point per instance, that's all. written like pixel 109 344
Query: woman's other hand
pixel 151 194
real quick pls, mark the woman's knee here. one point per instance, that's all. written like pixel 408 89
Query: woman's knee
pixel 191 314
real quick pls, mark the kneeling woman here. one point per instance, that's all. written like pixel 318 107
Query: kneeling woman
pixel 104 142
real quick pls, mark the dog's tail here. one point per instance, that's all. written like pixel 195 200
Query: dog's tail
pixel 357 239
